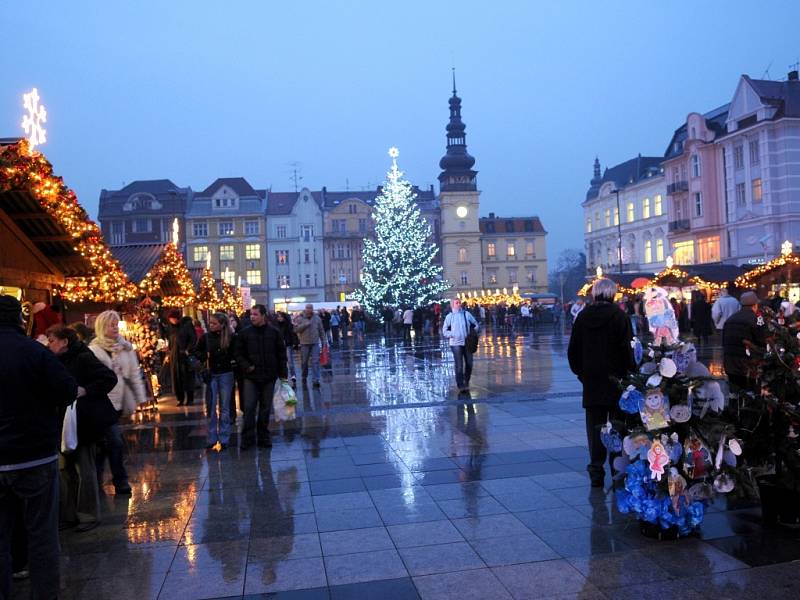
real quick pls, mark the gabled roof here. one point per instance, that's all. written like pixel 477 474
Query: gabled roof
pixel 137 259
pixel 628 173
pixel 170 196
pixel 426 198
pixel 785 95
pixel 282 203
pixel 501 225
pixel 237 184
pixel 715 121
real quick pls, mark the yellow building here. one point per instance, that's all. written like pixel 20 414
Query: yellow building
pixel 514 253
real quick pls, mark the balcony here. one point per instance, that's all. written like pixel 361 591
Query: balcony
pixel 677 187
pixel 680 225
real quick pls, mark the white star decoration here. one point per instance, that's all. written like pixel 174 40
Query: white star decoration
pixel 32 122
pixel 394 152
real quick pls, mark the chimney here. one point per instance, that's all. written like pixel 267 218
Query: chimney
pixel 792 76
pixel 491 215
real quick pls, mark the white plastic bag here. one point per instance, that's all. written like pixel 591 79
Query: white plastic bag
pixel 284 401
pixel 69 431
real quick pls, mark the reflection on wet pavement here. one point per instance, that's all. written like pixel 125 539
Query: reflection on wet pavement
pixel 391 485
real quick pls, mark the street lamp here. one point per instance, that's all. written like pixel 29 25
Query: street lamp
pixel 619 231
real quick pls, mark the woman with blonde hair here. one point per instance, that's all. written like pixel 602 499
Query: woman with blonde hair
pixel 215 350
pixel 117 354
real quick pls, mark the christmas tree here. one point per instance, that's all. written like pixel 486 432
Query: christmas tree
pixel 398 264
pixel 207 297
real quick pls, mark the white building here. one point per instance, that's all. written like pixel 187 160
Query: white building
pixel 294 247
pixel 634 191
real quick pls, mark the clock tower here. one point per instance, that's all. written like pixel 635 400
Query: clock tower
pixel 459 200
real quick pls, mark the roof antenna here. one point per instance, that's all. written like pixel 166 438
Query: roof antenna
pixel 765 75
pixel 296 177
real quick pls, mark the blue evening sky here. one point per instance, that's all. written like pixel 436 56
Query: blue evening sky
pixel 195 90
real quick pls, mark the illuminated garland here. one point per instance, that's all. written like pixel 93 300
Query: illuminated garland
pixel 750 279
pixel 170 263
pixel 107 282
pixel 586 290
pixel 690 279
pixel 207 297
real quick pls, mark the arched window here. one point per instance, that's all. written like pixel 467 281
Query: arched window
pixel 646 208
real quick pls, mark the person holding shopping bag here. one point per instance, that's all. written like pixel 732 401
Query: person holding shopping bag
pixel 215 351
pixel 117 353
pixel 456 328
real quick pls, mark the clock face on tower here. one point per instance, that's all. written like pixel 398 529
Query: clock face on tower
pixel 461 211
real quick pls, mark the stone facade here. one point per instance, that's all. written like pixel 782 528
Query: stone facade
pixel 513 253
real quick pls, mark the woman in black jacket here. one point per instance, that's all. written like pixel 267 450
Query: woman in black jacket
pixel 182 342
pixel 701 318
pixel 215 351
pixel 80 497
pixel 285 326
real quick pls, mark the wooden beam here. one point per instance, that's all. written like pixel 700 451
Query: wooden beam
pixel 50 238
pixel 32 216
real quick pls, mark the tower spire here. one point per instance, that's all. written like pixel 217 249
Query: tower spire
pixel 454 81
pixel 456 164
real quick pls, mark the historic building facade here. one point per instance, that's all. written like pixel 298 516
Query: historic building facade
pixel 226 224
pixel 513 253
pixel 626 204
pixel 295 247
pixel 142 212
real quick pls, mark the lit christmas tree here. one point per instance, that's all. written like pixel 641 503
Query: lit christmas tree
pixel 398 265
pixel 207 297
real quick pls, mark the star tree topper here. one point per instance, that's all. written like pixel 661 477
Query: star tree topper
pixel 32 121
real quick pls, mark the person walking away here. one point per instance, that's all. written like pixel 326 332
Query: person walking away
pixel 723 308
pixel 334 327
pixel 701 318
pixel 80 501
pixel 359 322
pixel 417 321
pixel 116 353
pixel 408 321
pixel 290 340
pixel 344 321
pixel 215 351
pixel 261 354
pixel 457 325
pixel 36 389
pixel 600 349
pixel 182 340
pixel 308 328
pixel 387 314
pixel 397 321
pixel 325 317
pixel 743 339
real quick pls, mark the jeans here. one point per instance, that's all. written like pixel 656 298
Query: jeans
pixel 335 333
pixel 257 399
pixel 219 427
pixel 290 361
pixel 37 487
pixel 463 361
pixel 310 351
pixel 596 417
pixel 111 446
pixel 407 332
pixel 80 494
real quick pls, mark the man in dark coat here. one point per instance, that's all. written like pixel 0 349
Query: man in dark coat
pixel 36 389
pixel 261 355
pixel 600 350
pixel 740 332
pixel 701 318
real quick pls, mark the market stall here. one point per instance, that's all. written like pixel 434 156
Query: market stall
pixel 623 281
pixel 780 275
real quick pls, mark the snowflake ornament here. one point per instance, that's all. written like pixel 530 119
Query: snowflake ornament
pixel 32 122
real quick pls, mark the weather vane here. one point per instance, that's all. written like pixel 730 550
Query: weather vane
pixel 32 121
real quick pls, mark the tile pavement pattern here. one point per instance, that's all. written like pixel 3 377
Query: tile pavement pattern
pixel 390 486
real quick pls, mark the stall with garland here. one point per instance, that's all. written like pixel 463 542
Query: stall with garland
pixel 622 280
pixel 680 282
pixel 780 275
pixel 489 298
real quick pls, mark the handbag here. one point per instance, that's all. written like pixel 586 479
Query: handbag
pixel 129 399
pixel 69 430
pixel 325 357
pixel 471 340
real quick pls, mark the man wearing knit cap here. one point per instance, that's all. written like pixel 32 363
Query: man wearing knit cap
pixel 36 389
pixel 743 339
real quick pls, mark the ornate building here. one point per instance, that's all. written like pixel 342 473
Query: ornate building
pixel 514 253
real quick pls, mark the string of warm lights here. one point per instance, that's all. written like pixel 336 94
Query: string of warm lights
pixel 751 278
pixel 21 169
pixel 170 262
pixel 685 280
pixel 207 296
pixel 230 300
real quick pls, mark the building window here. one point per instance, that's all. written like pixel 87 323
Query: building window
pixel 464 280
pixel 695 165
pixel 512 276
pixel 754 158
pixel 351 208
pixel 200 229
pixel 226 228
pixel 306 232
pixel 340 252
pixel 532 276
pixel 657 205
pixel 708 250
pixel 252 252
pixel 741 195
pixel 225 202
pixel 283 281
pixel 254 277
pixel 199 254
pixel 659 249
pixel 281 257
pixel 646 208
pixel 588 226
pixel 631 212
pixel 251 228
pixel 491 249
pixel 756 190
pixel 738 157
pixel 648 251
pixel 142 226
pixel 462 255
pixel 608 217
pixel 229 277
pixel 698 204
pixel 597 220
pixel 339 225
pixel 117 232
pixel 306 256
pixel 492 276
pixel 511 251
pixel 529 250
pixel 362 225
pixel 683 252
pixel 226 252
pixel 616 216
pixel 280 232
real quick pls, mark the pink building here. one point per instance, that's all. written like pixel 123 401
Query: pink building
pixel 693 170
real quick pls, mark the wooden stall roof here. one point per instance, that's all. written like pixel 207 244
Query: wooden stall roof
pixel 137 259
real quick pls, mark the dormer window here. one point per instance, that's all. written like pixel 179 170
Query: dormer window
pixel 225 199
pixel 141 201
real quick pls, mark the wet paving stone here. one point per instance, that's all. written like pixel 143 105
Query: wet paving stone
pixel 390 485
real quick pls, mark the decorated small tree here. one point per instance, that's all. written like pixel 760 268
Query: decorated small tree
pixel 229 302
pixel 207 297
pixel 398 264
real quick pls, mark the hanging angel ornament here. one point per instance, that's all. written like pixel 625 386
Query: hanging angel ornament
pixel 658 458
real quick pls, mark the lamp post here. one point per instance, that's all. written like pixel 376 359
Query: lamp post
pixel 619 231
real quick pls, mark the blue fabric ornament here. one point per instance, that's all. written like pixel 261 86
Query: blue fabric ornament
pixel 638 351
pixel 631 401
